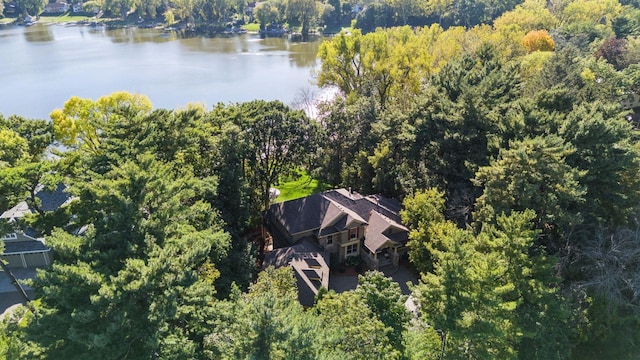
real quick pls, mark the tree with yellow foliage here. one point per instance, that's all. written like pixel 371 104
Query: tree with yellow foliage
pixel 79 122
pixel 538 40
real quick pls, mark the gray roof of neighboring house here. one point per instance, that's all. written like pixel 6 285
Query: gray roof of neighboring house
pixel 49 201
pixel 13 247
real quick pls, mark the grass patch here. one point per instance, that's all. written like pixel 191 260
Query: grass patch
pixel 299 186
pixel 251 27
pixel 46 19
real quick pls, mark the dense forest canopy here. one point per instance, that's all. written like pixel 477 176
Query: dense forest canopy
pixel 508 129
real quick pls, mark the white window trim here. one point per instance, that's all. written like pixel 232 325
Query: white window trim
pixel 10 236
pixel 355 247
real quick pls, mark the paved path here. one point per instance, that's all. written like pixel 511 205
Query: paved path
pixel 9 295
pixel 403 274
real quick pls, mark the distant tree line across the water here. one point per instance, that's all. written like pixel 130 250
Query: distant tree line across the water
pixel 512 144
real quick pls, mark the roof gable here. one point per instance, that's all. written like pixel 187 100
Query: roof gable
pixel 49 201
pixel 336 211
pixel 301 215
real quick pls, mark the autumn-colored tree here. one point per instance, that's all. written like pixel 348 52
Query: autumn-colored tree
pixel 538 40
pixel 613 50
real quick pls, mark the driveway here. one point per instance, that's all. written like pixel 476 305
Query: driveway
pixel 403 275
pixel 9 295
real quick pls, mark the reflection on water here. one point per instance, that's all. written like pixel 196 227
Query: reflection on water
pixel 38 33
pixel 43 66
pixel 135 35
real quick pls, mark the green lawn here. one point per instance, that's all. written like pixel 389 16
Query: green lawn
pixel 300 186
pixel 251 27
pixel 62 19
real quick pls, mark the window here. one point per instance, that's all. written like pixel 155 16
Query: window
pixel 329 239
pixel 352 249
pixel 10 236
pixel 353 233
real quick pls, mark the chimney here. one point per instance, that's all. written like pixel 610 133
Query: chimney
pixel 350 192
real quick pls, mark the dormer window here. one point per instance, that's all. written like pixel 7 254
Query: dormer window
pixel 10 236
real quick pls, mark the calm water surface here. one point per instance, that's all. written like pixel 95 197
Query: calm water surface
pixel 43 66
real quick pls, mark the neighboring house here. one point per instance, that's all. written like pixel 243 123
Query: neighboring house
pixel 77 7
pixel 249 8
pixel 23 247
pixel 310 265
pixel 343 222
pixel 630 101
pixel 56 8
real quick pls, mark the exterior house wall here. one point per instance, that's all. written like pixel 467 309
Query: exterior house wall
pixel 335 242
pixel 343 249
pixel 35 259
pixel 369 257
pixel 13 261
pixel 38 259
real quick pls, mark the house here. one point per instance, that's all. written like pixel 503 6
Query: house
pixel 23 247
pixel 310 264
pixel 249 8
pixel 342 222
pixel 56 8
pixel 77 7
pixel 630 101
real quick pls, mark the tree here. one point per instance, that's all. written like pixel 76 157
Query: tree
pixel 421 211
pixel 530 15
pixel 590 11
pixel 302 12
pixel 265 323
pixel 12 147
pixel 613 50
pixel 385 299
pixel 538 40
pixel 606 159
pixel 79 122
pixel 533 174
pixel 122 7
pixel 130 284
pixel 541 315
pixel 494 295
pixel 389 64
pixel 30 7
pixel 351 330
pixel 23 167
pixel 335 20
pixel 266 13
pixel 459 300
pixel 278 138
pixel 342 62
pixel 605 294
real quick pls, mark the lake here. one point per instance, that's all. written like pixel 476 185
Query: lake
pixel 42 66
